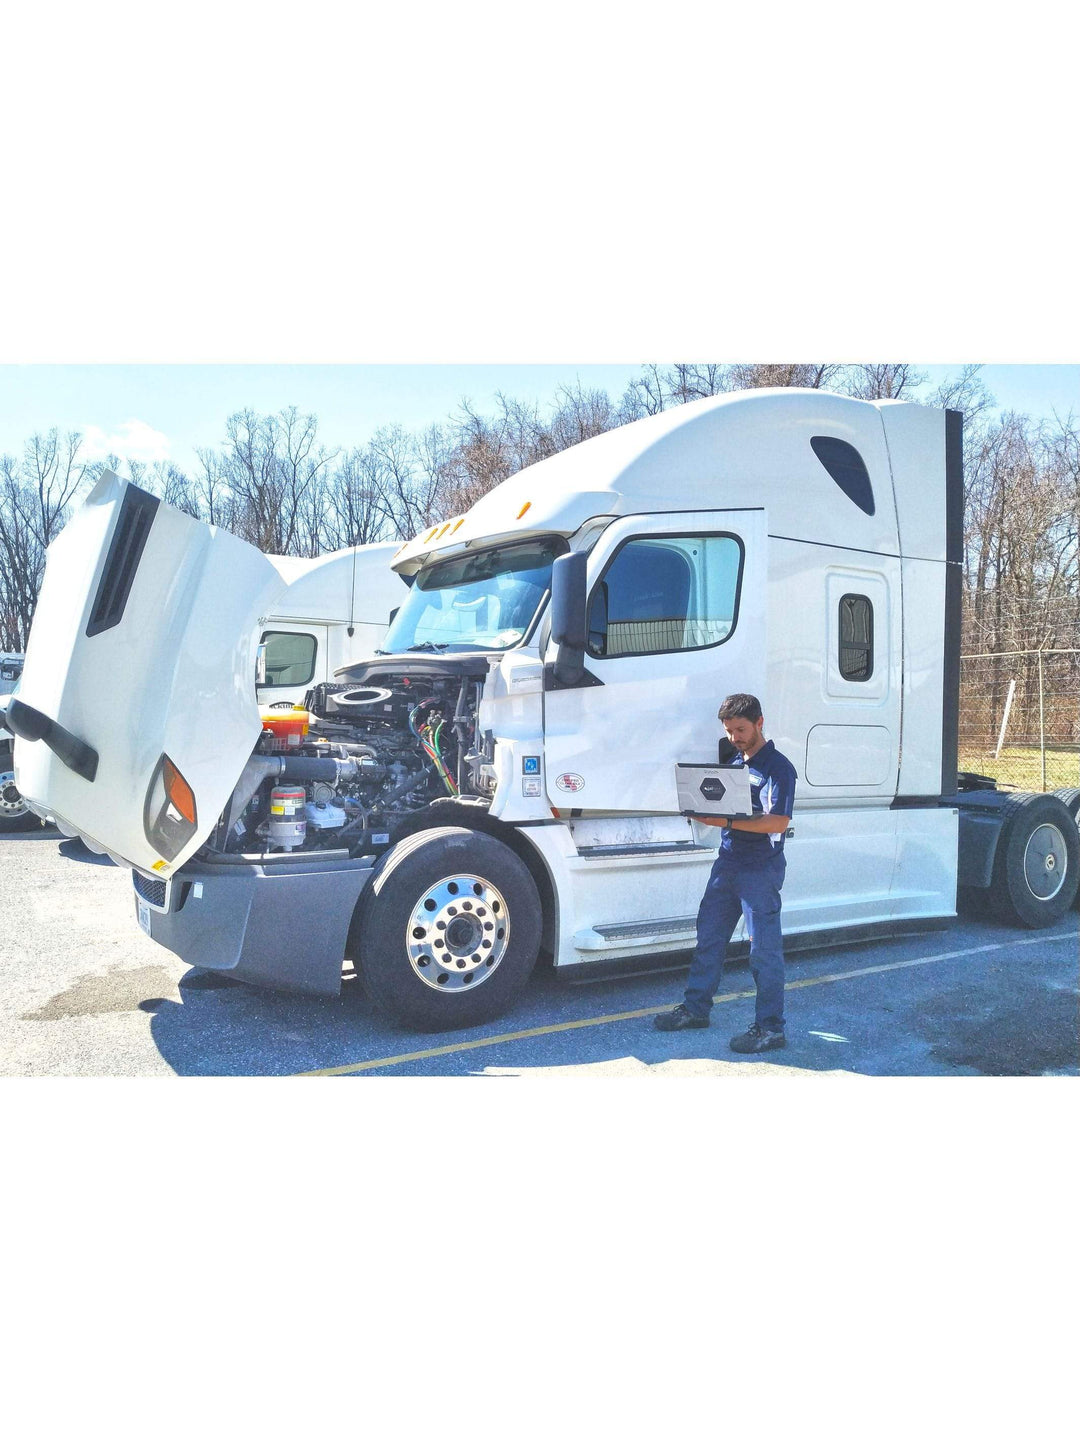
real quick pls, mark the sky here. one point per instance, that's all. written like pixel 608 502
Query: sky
pixel 164 412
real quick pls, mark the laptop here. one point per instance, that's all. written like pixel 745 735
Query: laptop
pixel 714 789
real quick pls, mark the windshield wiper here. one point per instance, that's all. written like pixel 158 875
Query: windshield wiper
pixel 429 645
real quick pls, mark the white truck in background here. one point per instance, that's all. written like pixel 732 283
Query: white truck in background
pixel 504 768
pixel 336 609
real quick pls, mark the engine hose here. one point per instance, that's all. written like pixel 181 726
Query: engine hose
pixel 305 769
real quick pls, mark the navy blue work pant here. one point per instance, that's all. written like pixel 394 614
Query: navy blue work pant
pixel 749 887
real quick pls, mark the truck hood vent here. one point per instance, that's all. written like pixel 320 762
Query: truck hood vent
pixel 129 540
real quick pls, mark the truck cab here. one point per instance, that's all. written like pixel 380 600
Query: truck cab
pixel 498 777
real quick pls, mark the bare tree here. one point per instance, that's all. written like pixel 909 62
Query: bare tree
pixel 35 496
pixel 271 464
pixel 647 394
pixel 881 382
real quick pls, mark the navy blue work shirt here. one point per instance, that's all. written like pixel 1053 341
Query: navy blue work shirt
pixel 772 792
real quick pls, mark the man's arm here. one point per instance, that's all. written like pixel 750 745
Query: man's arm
pixel 756 825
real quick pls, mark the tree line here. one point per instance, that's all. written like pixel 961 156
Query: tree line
pixel 273 482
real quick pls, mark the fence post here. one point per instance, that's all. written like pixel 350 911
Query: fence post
pixel 1005 716
pixel 1042 726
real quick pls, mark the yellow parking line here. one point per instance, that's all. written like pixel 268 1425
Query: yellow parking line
pixel 506 1038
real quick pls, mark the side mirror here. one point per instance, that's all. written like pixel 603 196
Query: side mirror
pixel 569 622
pixel 260 665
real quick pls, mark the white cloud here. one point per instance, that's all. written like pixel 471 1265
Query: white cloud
pixel 131 440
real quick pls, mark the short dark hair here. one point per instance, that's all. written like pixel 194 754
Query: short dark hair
pixel 740 707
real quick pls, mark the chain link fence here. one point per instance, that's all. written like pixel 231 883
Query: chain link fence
pixel 1020 717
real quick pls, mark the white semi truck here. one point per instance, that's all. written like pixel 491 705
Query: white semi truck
pixel 499 780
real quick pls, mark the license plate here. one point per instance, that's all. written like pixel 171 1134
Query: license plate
pixel 144 915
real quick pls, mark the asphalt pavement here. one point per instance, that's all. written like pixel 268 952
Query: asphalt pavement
pixel 85 992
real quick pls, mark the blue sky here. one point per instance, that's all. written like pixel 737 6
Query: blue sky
pixel 166 411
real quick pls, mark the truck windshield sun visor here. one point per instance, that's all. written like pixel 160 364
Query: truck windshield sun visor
pixel 30 724
pixel 137 513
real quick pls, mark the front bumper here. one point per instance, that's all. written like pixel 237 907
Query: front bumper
pixel 281 925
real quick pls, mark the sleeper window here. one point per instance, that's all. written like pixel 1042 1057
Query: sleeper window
pixel 856 637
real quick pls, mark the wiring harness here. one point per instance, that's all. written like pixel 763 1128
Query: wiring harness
pixel 429 734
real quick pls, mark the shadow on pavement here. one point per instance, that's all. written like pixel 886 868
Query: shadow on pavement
pixel 1003 1012
pixel 222 1027
pixel 74 849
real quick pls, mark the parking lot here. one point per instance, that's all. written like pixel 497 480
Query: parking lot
pixel 84 992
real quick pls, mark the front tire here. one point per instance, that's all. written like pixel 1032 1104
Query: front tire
pixel 1037 862
pixel 448 930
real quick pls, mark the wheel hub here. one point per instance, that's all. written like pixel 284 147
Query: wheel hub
pixel 11 801
pixel 1045 861
pixel 457 933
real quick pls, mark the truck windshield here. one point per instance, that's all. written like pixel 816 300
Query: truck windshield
pixel 485 601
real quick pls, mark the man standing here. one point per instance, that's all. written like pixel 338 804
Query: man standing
pixel 746 879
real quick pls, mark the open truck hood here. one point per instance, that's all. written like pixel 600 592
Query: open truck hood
pixel 140 669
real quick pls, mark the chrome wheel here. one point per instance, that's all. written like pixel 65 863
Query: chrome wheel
pixel 1046 861
pixel 458 933
pixel 12 804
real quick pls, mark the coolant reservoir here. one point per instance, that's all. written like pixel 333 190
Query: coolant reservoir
pixel 284 729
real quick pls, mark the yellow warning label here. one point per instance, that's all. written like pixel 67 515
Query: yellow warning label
pixel 277 809
pixel 160 865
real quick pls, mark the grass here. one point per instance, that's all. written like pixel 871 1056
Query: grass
pixel 1021 766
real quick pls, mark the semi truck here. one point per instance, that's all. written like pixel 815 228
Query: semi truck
pixel 496 781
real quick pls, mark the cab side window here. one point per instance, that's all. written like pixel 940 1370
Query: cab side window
pixel 290 658
pixel 666 594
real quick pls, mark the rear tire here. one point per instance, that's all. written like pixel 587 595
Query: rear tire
pixel 1037 862
pixel 448 930
pixel 1070 798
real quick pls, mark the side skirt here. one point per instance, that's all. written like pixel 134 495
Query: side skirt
pixel 588 972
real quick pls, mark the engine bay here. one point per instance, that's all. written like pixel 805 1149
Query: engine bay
pixel 359 758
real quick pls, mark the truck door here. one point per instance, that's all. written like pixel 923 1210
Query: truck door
pixel 676 622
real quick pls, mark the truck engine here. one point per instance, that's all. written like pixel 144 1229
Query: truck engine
pixel 344 771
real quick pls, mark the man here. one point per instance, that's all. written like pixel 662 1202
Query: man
pixel 746 879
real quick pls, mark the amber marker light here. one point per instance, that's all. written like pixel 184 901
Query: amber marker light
pixel 524 507
pixel 170 818
pixel 179 791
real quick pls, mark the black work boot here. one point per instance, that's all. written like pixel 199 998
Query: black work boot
pixel 681 1019
pixel 757 1039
